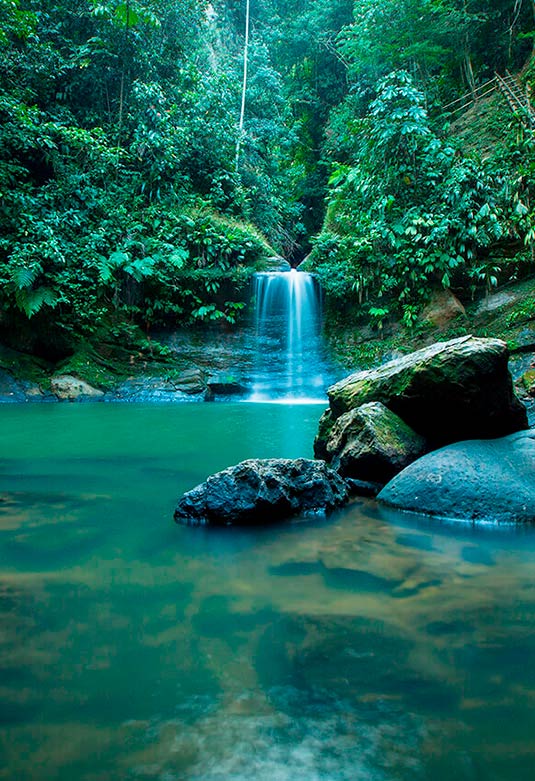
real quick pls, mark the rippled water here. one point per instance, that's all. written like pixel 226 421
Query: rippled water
pixel 366 647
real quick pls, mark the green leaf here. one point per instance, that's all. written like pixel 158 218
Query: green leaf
pixel 126 15
pixel 31 301
pixel 140 268
pixel 24 276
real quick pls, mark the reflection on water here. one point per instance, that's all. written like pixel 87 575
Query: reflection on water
pixel 368 646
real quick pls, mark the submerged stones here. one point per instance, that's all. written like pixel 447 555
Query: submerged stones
pixel 477 480
pixel 262 491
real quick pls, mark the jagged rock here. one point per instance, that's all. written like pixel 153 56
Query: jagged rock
pixel 447 392
pixel 260 491
pixel 443 307
pixel 479 480
pixel 69 388
pixel 372 444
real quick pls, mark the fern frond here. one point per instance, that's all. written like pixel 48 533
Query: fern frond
pixel 31 301
pixel 23 276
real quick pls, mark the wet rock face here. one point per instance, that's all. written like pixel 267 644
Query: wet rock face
pixel 448 392
pixel 262 491
pixel 373 444
pixel 478 480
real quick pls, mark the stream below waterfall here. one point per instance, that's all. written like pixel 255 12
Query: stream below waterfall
pixel 369 646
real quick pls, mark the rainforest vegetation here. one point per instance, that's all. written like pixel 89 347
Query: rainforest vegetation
pixel 135 192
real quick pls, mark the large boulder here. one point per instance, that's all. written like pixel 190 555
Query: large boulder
pixel 373 444
pixel 447 392
pixel 260 491
pixel 479 480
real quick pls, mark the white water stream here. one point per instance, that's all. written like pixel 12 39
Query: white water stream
pixel 289 362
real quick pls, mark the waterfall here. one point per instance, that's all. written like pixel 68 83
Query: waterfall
pixel 289 364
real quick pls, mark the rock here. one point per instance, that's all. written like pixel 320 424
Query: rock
pixel 10 389
pixel 34 392
pixel 275 263
pixel 190 381
pixel 224 385
pixel 325 425
pixel 447 392
pixel 69 388
pixel 372 444
pixel 443 307
pixel 478 480
pixel 260 491
pixel 494 301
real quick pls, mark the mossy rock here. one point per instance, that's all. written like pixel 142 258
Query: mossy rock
pixel 325 425
pixel 460 389
pixel 372 444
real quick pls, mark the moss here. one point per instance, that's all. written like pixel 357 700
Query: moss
pixel 26 368
pixel 107 363
pixel 115 353
pixel 528 381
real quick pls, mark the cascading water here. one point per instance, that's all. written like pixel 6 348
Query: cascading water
pixel 289 362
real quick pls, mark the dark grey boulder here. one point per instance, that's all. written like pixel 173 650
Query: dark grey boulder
pixel 224 386
pixel 479 480
pixel 262 491
pixel 372 444
pixel 448 392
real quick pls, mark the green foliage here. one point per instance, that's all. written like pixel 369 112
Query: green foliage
pixel 119 194
pixel 411 213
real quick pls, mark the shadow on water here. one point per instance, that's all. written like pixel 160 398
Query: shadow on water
pixel 371 645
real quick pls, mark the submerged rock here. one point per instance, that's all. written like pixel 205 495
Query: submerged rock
pixel 68 388
pixel 447 392
pixel 261 491
pixel 478 480
pixel 372 444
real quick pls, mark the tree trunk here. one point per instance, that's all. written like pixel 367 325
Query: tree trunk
pixel 244 87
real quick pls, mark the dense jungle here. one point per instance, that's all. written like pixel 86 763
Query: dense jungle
pixel 154 155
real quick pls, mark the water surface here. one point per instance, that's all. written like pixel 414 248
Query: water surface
pixel 369 646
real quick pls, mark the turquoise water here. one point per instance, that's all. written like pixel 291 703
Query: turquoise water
pixel 369 646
